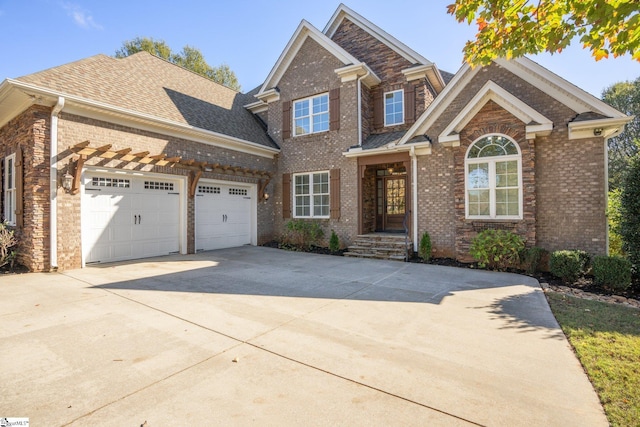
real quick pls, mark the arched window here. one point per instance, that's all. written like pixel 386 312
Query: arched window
pixel 493 179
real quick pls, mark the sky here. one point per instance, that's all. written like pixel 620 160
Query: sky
pixel 249 35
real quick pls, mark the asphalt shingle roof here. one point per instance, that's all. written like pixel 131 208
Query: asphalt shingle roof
pixel 147 84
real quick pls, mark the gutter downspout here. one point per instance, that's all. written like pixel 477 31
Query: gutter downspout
pixel 414 196
pixel 360 106
pixel 53 184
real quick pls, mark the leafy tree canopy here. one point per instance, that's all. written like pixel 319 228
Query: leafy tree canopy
pixel 190 58
pixel 513 28
pixel 625 97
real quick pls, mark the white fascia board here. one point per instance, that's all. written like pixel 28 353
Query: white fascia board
pixel 377 32
pixel 492 91
pixel 12 101
pixel 608 127
pixel 355 71
pixel 421 149
pixel 102 111
pixel 304 30
pixel 429 72
pixel 257 107
pixel 557 87
pixel 269 95
pixel 440 104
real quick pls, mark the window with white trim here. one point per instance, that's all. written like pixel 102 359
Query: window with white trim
pixel 311 115
pixel 10 189
pixel 493 179
pixel 311 195
pixel 394 108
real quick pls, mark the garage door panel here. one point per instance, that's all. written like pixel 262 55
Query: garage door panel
pixel 223 216
pixel 132 220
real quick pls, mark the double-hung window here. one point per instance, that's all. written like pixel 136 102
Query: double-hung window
pixel 10 189
pixel 493 179
pixel 394 108
pixel 311 195
pixel 311 115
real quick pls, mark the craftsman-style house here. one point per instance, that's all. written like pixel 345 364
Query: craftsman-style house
pixel 110 159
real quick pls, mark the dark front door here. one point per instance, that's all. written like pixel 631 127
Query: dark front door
pixel 391 203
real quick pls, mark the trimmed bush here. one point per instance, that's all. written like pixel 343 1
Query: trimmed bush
pixel 303 234
pixel 567 265
pixel 334 242
pixel 531 258
pixel 424 250
pixel 612 272
pixel 630 214
pixel 8 244
pixel 614 218
pixel 497 249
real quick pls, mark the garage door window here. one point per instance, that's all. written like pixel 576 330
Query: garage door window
pixel 158 185
pixel 110 182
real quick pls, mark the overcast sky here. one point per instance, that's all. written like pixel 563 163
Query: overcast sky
pixel 248 35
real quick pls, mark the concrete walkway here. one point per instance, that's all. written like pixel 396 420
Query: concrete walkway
pixel 260 336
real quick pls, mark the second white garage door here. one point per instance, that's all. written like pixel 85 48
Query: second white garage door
pixel 223 216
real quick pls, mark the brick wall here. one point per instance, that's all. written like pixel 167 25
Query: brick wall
pixel 564 181
pixel 311 72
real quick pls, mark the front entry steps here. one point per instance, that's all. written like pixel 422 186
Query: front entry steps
pixel 381 246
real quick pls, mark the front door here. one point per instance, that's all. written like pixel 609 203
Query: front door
pixel 391 203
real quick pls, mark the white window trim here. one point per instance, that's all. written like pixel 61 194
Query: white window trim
pixel 10 193
pixel 293 193
pixel 492 181
pixel 384 98
pixel 311 115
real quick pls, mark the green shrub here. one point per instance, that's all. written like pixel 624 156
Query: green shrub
pixel 630 214
pixel 612 272
pixel 496 249
pixel 614 217
pixel 334 242
pixel 303 234
pixel 567 265
pixel 8 245
pixel 585 261
pixel 531 257
pixel 424 250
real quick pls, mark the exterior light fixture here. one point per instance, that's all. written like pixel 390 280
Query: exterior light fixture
pixel 597 131
pixel 67 181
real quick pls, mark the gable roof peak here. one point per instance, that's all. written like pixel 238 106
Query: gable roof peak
pixel 305 30
pixel 402 49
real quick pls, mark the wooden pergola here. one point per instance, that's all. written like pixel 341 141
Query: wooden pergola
pixel 85 152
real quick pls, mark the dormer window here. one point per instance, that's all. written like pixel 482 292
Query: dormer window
pixel 311 115
pixel 394 108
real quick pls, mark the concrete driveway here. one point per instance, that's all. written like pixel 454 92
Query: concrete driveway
pixel 260 336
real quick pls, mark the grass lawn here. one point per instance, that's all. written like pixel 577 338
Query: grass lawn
pixel 606 339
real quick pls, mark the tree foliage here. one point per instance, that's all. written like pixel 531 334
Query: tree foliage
pixel 189 57
pixel 630 213
pixel 625 97
pixel 514 28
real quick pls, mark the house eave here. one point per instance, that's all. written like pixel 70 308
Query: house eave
pixel 605 128
pixel 355 71
pixel 421 149
pixel 257 107
pixel 113 114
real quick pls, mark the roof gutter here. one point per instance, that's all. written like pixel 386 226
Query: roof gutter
pixel 53 184
pixel 206 136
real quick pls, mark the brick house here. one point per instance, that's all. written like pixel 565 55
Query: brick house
pixel 110 159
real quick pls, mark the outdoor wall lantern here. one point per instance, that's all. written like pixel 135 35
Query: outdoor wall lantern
pixel 67 181
pixel 266 196
pixel 597 131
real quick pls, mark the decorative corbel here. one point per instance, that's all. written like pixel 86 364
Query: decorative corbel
pixel 195 177
pixel 79 163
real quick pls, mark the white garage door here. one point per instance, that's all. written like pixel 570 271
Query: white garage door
pixel 223 216
pixel 127 217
